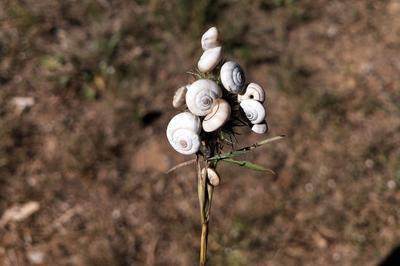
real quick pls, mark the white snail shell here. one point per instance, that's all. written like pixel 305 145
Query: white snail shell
pixel 212 176
pixel 210 59
pixel 253 91
pixel 232 77
pixel 210 39
pixel 201 95
pixel 179 97
pixel 218 116
pixel 254 111
pixel 183 133
pixel 184 120
pixel 260 128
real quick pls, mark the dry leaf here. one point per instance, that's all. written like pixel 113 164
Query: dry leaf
pixel 19 213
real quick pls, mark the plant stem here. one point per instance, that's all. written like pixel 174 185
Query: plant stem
pixel 203 244
pixel 244 150
pixel 181 165
pixel 205 192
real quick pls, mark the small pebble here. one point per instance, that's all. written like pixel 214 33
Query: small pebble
pixel 35 257
pixel 309 187
pixel 331 183
pixel 369 163
pixel 391 184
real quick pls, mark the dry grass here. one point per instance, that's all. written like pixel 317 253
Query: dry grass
pixel 92 149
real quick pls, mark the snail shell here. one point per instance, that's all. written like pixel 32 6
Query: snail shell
pixel 260 128
pixel 254 111
pixel 210 59
pixel 253 91
pixel 232 77
pixel 179 97
pixel 183 133
pixel 210 39
pixel 201 95
pixel 212 176
pixel 184 120
pixel 218 116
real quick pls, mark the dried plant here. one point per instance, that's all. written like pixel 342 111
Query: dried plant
pixel 209 121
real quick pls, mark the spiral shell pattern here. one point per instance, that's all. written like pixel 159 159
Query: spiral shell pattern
pixel 201 95
pixel 207 109
pixel 254 111
pixel 253 91
pixel 185 141
pixel 218 116
pixel 183 133
pixel 232 77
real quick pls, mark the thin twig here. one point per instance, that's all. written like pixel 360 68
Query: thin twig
pixel 205 192
pixel 205 205
pixel 200 189
pixel 194 74
pixel 203 243
pixel 263 142
pixel 181 165
pixel 245 149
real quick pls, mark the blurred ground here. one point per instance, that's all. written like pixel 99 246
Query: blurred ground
pixel 89 145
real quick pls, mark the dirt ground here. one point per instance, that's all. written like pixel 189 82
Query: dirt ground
pixel 88 144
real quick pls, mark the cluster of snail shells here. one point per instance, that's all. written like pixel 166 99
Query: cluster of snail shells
pixel 251 102
pixel 203 98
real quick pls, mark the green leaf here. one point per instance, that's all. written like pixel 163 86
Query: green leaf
pixel 249 165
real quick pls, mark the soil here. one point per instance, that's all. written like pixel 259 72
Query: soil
pixel 87 140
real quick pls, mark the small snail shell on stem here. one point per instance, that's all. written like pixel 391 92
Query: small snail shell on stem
pixel 185 141
pixel 232 77
pixel 184 120
pixel 260 128
pixel 212 176
pixel 254 111
pixel 179 97
pixel 201 95
pixel 210 39
pixel 210 59
pixel 254 92
pixel 183 133
pixel 218 116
